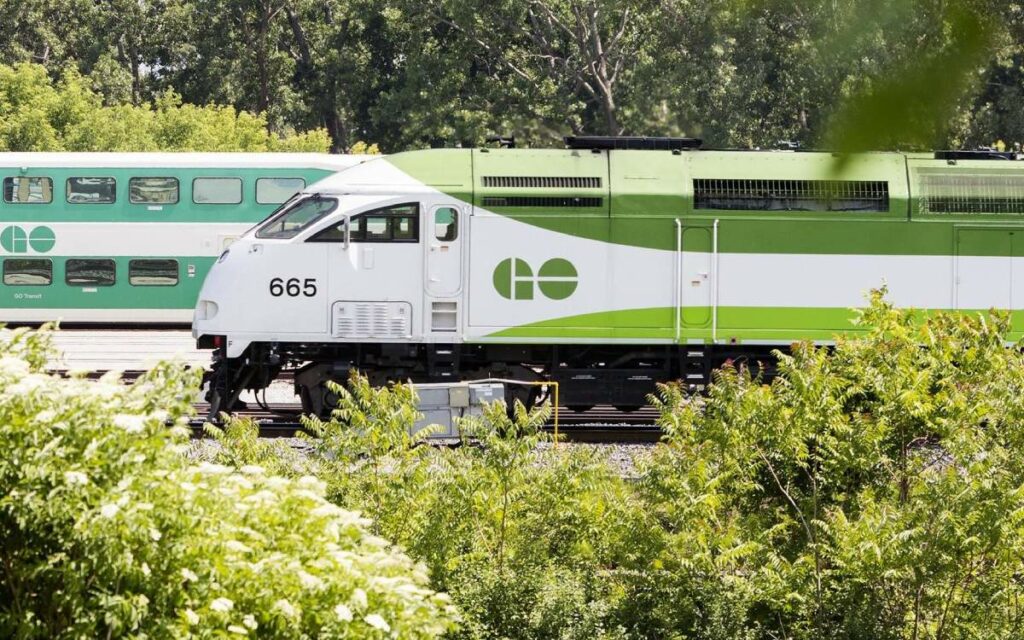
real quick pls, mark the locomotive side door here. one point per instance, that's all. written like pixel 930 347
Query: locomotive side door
pixel 696 284
pixel 444 251
pixel 443 235
pixel 374 258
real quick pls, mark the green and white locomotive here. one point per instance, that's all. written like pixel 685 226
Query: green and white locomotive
pixel 606 266
pixel 127 238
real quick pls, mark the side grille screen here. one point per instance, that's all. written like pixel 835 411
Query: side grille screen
pixel 791 195
pixel 978 194
pixel 550 202
pixel 542 182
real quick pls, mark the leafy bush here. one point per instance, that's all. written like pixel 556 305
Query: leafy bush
pixel 106 530
pixel 872 490
pixel 525 538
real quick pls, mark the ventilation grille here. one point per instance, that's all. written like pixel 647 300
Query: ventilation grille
pixel 971 194
pixel 791 195
pixel 550 202
pixel 541 182
pixel 372 319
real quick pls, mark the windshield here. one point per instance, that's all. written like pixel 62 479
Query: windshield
pixel 290 222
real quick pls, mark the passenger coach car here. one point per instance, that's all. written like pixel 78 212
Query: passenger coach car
pixel 128 237
pixel 606 266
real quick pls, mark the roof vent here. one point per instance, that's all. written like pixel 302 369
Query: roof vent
pixel 542 202
pixel 984 153
pixel 631 142
pixel 542 182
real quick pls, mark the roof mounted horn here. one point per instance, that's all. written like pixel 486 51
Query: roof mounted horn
pixel 503 142
pixel 631 142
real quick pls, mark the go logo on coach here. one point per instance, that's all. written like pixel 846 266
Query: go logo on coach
pixel 13 239
pixel 514 279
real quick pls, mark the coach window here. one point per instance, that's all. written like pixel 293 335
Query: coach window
pixel 91 190
pixel 25 190
pixel 217 191
pixel 277 190
pixel 89 273
pixel 153 190
pixel 153 273
pixel 446 224
pixel 30 272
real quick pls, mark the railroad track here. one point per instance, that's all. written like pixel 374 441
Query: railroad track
pixel 604 425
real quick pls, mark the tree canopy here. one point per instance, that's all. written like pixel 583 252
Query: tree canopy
pixel 417 73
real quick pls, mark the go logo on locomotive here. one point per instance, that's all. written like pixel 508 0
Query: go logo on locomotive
pixel 514 279
pixel 13 239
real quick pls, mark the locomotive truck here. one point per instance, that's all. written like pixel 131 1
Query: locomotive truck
pixel 606 266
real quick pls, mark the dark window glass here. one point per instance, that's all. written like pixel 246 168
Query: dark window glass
pixel 153 273
pixel 26 190
pixel 399 223
pixel 372 229
pixel 277 190
pixel 89 272
pixel 91 190
pixel 446 224
pixel 293 220
pixel 217 190
pixel 28 271
pixel 153 190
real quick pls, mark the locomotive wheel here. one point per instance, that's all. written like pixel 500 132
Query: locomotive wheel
pixel 627 408
pixel 579 408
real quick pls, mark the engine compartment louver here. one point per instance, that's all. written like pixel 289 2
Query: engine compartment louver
pixel 542 182
pixel 948 193
pixel 549 201
pixel 790 195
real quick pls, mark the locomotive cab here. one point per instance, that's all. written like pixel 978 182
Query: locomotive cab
pixel 342 263
pixel 342 267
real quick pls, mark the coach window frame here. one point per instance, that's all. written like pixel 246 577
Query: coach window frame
pixel 49 282
pixel 177 272
pixel 256 188
pixel 357 224
pixel 151 203
pixel 113 269
pixel 241 189
pixel 67 189
pixel 12 178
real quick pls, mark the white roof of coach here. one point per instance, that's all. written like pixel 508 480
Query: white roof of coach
pixel 375 177
pixel 325 161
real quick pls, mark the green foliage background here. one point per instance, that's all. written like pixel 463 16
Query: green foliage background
pixel 412 73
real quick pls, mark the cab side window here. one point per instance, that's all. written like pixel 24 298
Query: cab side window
pixel 446 224
pixel 398 223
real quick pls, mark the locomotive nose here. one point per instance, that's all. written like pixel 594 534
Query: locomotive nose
pixel 210 297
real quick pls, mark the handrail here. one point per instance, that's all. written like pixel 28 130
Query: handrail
pixel 714 277
pixel 677 289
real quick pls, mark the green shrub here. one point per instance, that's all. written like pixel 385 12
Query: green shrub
pixel 107 531
pixel 527 539
pixel 872 490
